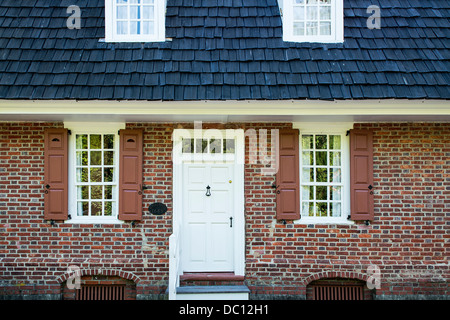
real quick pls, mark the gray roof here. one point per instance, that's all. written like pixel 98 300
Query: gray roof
pixel 224 50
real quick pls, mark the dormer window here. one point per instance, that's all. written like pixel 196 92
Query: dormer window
pixel 135 20
pixel 313 20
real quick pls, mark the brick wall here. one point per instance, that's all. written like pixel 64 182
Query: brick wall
pixel 407 241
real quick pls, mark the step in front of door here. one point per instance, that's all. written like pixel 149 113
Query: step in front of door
pixel 213 293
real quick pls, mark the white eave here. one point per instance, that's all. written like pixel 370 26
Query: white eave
pixel 226 111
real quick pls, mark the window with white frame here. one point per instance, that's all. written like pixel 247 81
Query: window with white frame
pixel 93 174
pixel 324 185
pixel 135 20
pixel 313 20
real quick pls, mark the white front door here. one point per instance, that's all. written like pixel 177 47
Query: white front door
pixel 208 214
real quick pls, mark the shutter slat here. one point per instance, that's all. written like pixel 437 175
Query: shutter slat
pixel 287 178
pixel 56 174
pixel 361 175
pixel 130 175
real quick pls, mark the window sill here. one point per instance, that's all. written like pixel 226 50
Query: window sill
pixel 324 221
pixel 94 220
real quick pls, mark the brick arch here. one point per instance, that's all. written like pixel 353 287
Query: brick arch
pixel 335 274
pixel 100 272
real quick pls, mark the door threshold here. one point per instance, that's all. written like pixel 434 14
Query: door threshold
pixel 210 276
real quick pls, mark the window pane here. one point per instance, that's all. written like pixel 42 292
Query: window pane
pixel 134 12
pixel 299 13
pixel 122 12
pixel 95 141
pixel 122 27
pixel 308 209
pixel 321 158
pixel 96 158
pixel 321 142
pixel 187 145
pixel 335 193
pixel 148 1
pixel 96 192
pixel 325 28
pixel 322 209
pixel 321 192
pixel 307 193
pixel 228 146
pixel 108 141
pixel 311 1
pixel 108 158
pixel 82 158
pixel 311 28
pixel 83 192
pixel 148 27
pixel 307 142
pixel 308 174
pixel 148 12
pixel 96 175
pixel 109 175
pixel 81 142
pixel 96 208
pixel 108 192
pixel 201 146
pixel 325 13
pixel 134 27
pixel 336 210
pixel 311 13
pixel 83 208
pixel 82 175
pixel 321 174
pixel 335 142
pixel 299 28
pixel 215 146
pixel 308 158
pixel 335 175
pixel 335 158
pixel 299 1
pixel 108 208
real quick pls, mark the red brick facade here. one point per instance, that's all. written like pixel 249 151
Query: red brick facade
pixel 407 241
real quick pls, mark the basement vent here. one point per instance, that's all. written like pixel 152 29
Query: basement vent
pixel 343 292
pixel 101 293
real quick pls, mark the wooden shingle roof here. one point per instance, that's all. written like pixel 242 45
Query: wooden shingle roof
pixel 224 50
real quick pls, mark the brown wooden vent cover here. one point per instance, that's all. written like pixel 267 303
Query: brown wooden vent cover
pixel 342 292
pixel 112 292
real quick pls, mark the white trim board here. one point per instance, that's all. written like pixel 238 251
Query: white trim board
pixel 225 111
pixel 239 213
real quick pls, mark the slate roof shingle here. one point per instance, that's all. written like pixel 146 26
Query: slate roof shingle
pixel 224 49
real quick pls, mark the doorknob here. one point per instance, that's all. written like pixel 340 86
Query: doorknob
pixel 208 191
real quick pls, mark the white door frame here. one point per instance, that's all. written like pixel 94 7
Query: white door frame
pixel 238 158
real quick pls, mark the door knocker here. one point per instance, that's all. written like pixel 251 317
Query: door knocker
pixel 208 191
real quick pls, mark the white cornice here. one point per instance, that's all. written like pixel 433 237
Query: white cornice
pixel 285 110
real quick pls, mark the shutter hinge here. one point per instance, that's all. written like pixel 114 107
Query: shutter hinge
pixel 69 132
pixel 348 132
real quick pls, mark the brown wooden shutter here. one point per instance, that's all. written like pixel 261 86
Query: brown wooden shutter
pixel 130 175
pixel 56 174
pixel 361 174
pixel 287 178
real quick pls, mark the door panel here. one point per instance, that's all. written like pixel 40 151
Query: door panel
pixel 207 231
